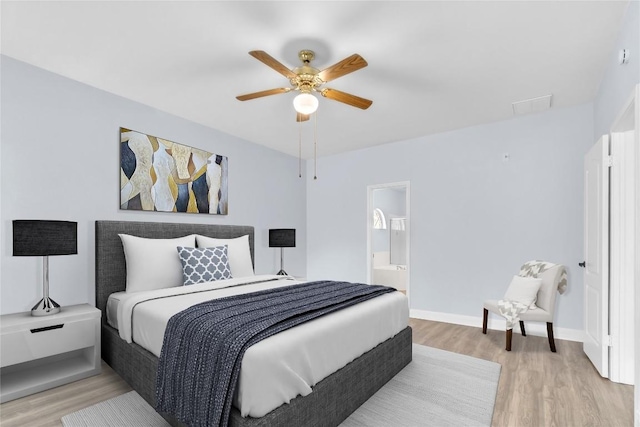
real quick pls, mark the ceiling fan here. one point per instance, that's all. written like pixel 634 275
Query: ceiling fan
pixel 307 79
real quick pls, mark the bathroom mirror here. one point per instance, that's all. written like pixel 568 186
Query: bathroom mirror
pixel 398 242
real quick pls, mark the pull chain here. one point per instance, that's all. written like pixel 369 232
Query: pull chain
pixel 315 146
pixel 300 150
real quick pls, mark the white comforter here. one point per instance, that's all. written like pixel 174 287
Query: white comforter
pixel 285 365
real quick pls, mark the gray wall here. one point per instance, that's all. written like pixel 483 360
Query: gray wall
pixel 619 80
pixel 60 160
pixel 474 218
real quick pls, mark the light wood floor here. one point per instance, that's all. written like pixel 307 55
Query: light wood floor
pixel 537 387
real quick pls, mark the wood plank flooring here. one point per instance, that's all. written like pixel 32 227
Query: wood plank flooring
pixel 48 407
pixel 537 387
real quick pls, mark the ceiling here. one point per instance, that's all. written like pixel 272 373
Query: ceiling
pixel 434 66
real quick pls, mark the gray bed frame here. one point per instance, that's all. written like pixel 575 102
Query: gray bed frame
pixel 332 400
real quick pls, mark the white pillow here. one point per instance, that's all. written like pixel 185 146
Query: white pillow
pixel 524 290
pixel 153 263
pixel 239 253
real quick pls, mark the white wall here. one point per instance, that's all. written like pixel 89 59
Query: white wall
pixel 474 218
pixel 619 80
pixel 60 160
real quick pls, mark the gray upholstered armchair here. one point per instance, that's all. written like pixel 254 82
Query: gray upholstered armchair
pixel 554 280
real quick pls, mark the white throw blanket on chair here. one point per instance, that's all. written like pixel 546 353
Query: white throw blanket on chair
pixel 511 310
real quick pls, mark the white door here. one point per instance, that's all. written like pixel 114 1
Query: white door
pixel 596 251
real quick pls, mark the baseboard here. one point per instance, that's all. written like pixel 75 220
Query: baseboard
pixel 498 324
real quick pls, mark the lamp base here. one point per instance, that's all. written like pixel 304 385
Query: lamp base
pixel 282 273
pixel 45 307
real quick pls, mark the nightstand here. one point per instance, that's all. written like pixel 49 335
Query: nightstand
pixel 39 353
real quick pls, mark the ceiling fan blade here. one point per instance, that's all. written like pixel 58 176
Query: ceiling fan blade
pixel 267 59
pixel 347 98
pixel 263 93
pixel 301 117
pixel 346 66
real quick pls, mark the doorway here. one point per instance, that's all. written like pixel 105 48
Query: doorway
pixel 388 235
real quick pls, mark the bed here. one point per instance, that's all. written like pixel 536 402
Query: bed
pixel 333 398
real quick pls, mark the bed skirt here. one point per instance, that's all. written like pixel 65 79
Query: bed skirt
pixel 333 399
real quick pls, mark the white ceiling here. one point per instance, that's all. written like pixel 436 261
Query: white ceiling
pixel 433 66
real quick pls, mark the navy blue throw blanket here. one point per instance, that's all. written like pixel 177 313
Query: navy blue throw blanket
pixel 203 345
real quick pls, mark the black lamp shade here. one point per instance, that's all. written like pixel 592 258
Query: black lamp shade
pixel 43 238
pixel 282 238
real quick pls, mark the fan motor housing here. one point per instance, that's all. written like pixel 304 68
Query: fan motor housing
pixel 306 79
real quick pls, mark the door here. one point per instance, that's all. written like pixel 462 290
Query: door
pixel 596 251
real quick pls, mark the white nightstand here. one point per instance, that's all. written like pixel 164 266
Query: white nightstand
pixel 39 353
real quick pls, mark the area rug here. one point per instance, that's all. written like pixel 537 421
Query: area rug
pixel 437 388
pixel 128 409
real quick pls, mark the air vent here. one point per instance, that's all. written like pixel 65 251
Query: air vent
pixel 533 105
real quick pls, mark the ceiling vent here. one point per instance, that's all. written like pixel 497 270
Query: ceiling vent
pixel 533 105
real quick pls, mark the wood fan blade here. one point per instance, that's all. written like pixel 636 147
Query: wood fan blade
pixel 346 66
pixel 301 117
pixel 268 60
pixel 347 98
pixel 263 93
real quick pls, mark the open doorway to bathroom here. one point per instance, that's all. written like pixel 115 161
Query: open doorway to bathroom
pixel 388 235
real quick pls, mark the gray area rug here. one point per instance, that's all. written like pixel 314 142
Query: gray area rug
pixel 437 388
pixel 129 410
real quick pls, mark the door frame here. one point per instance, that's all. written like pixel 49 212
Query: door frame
pixel 622 250
pixel 370 207
pixel 635 100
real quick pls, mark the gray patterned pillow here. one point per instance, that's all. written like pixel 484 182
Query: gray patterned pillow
pixel 200 265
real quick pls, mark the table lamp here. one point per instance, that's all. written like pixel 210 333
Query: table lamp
pixel 282 238
pixel 45 238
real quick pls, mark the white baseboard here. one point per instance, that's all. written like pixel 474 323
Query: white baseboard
pixel 498 324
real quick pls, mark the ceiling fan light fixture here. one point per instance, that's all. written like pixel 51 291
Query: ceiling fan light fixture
pixel 305 103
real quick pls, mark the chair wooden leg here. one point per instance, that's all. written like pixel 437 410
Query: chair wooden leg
pixel 552 343
pixel 509 336
pixel 484 321
pixel 524 334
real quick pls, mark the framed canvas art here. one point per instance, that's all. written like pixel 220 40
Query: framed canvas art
pixel 161 175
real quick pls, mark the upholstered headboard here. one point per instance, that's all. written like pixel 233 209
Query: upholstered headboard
pixel 111 268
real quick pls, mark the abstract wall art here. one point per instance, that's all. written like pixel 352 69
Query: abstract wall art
pixel 164 176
